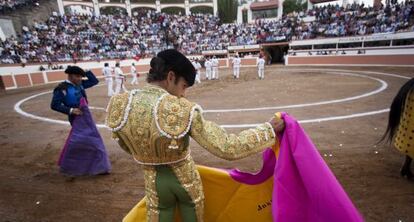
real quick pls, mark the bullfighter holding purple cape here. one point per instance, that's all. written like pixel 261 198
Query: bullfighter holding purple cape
pixel 84 151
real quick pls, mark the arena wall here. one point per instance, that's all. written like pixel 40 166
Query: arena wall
pixel 394 60
pixel 15 76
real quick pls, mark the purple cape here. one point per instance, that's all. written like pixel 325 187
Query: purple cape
pixel 84 151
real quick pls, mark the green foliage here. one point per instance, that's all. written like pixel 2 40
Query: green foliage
pixel 173 10
pixel 227 10
pixel 202 10
pixel 142 1
pixel 294 6
pixel 171 1
pixel 111 10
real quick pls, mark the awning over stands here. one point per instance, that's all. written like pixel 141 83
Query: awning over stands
pixel 271 4
pixel 214 52
pixel 275 44
pixel 321 1
pixel 244 48
pixel 195 56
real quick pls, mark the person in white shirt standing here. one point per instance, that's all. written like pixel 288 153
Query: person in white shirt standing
pixel 260 66
pixel 236 67
pixel 207 64
pixel 215 64
pixel 134 75
pixel 194 63
pixel 198 68
pixel 120 79
pixel 107 72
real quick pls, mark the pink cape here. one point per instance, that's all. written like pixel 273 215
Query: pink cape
pixel 304 187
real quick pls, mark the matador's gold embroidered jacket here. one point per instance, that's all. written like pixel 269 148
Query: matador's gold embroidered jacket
pixel 403 139
pixel 154 127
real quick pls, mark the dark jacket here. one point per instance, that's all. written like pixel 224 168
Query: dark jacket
pixel 67 95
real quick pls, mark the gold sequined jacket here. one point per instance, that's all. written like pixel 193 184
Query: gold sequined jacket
pixel 154 127
pixel 403 139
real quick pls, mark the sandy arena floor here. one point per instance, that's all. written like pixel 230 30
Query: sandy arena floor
pixel 342 108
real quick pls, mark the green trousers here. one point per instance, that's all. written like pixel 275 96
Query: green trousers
pixel 171 194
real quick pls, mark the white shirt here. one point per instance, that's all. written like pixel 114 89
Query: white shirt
pixel 260 63
pixel 236 62
pixel 207 64
pixel 215 62
pixel 118 73
pixel 133 70
pixel 107 72
pixel 197 66
pixel 194 65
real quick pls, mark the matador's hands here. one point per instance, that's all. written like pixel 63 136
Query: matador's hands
pixel 76 111
pixel 278 124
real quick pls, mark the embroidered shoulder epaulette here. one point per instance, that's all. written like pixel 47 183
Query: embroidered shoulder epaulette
pixel 62 86
pixel 116 111
pixel 173 117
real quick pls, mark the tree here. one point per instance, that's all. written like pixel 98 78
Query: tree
pixel 202 10
pixel 227 10
pixel 290 6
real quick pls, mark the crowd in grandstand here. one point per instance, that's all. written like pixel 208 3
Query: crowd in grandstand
pixel 334 21
pixel 80 37
pixel 11 5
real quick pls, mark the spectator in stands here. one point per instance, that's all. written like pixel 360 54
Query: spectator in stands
pixel 81 37
pixel 7 6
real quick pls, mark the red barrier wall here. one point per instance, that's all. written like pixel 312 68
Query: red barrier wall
pixel 37 78
pixel 352 60
pixel 8 81
pixel 22 80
